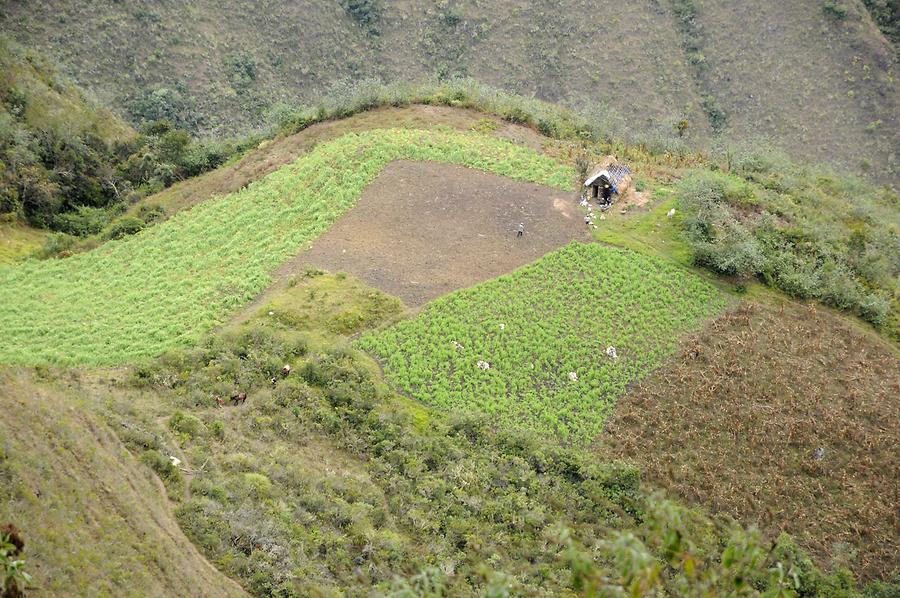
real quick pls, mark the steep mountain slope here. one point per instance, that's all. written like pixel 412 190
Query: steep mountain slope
pixel 818 82
pixel 758 68
pixel 96 522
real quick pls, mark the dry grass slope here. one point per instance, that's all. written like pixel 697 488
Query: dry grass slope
pixel 96 522
pixel 822 86
pixel 734 425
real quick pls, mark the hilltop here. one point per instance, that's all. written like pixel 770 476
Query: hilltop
pixel 817 78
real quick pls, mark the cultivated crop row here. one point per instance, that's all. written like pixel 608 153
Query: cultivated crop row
pixel 550 346
pixel 164 287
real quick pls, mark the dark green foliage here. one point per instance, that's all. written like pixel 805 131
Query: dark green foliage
pixel 815 237
pixel 694 43
pixel 886 13
pixel 69 177
pixel 172 104
pixel 835 9
pixel 241 69
pixel 717 117
pixel 364 12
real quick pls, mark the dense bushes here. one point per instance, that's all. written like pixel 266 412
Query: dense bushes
pixel 812 235
pixel 328 484
pixel 75 173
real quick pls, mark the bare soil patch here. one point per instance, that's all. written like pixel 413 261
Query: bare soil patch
pixel 788 421
pixel 423 229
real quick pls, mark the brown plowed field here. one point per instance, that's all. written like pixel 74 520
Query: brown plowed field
pixel 423 229
pixel 784 418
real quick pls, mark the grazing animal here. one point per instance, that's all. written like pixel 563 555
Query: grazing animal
pixel 273 381
pixel 220 402
pixel 239 398
pixel 286 370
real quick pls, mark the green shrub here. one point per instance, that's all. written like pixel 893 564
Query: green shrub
pixel 164 468
pixel 82 222
pixel 57 245
pixel 364 12
pixel 188 424
pixel 835 9
pixel 257 485
pixel 718 240
pixel 122 227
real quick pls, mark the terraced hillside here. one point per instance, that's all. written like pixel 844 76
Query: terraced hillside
pixel 133 298
pixel 818 77
pixel 459 467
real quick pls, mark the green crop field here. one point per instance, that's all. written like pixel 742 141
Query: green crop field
pixel 543 332
pixel 162 288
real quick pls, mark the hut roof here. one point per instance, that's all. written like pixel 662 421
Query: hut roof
pixel 614 172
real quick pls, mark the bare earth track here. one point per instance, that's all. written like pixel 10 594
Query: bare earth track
pixel 421 230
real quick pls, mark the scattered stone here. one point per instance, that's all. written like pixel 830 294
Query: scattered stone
pixel 483 365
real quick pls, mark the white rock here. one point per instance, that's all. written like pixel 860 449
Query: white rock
pixel 573 376
pixel 671 213
pixel 483 365
pixel 175 460
pixel 611 352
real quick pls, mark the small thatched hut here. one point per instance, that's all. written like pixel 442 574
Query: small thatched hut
pixel 607 178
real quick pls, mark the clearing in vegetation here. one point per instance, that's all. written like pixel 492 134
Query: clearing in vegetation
pixel 423 229
pixel 736 424
pixel 530 348
pixel 134 298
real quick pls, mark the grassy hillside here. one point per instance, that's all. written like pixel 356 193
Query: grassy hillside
pixel 96 522
pixel 326 481
pixel 133 298
pixel 819 80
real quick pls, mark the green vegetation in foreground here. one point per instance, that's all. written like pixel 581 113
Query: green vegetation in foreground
pixel 537 327
pixel 133 298
pixel 329 484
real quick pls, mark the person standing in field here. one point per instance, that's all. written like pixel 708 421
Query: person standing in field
pixel 520 230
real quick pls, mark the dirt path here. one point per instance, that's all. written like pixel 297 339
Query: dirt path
pixel 422 229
